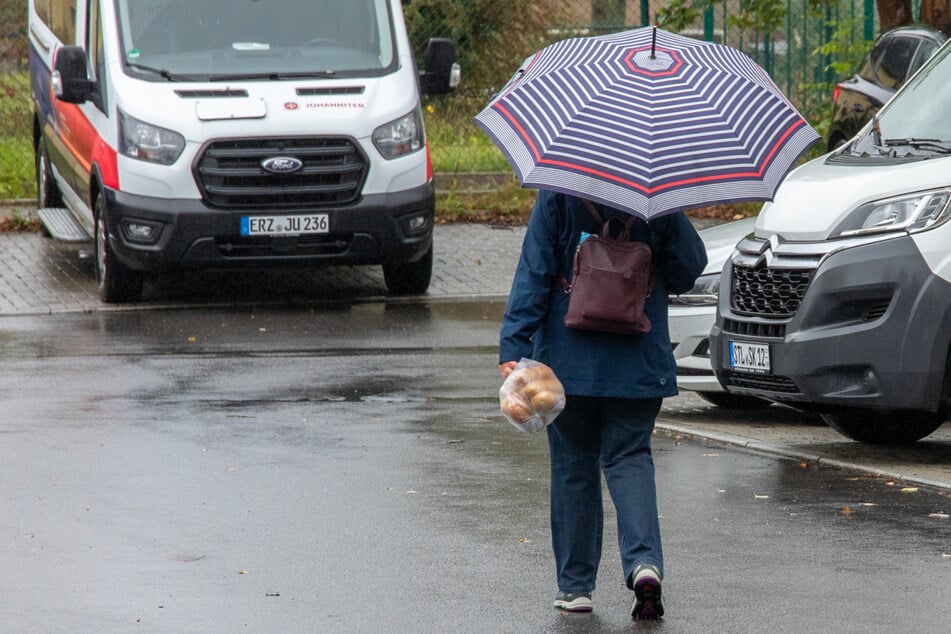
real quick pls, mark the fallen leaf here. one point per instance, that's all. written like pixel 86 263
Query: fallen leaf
pixel 909 490
pixel 867 504
pixel 890 483
pixel 721 490
pixel 711 455
pixel 846 510
pixel 940 516
pixel 522 540
pixel 242 572
pixel 760 497
pixel 192 340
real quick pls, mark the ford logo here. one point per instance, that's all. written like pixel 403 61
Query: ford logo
pixel 282 164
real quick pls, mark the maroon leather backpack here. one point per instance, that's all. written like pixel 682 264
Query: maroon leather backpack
pixel 611 282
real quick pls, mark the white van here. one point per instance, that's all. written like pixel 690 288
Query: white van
pixel 840 299
pixel 230 133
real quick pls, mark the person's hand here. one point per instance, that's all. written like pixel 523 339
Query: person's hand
pixel 506 368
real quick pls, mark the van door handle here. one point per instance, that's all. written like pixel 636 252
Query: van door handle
pixel 44 44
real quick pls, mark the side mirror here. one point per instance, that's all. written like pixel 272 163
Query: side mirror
pixel 442 73
pixel 70 80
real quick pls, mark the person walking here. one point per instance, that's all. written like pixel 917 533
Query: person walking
pixel 614 386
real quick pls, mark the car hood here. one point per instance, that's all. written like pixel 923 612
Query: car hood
pixel 720 240
pixel 816 197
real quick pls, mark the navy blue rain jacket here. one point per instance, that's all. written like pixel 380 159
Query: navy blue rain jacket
pixel 594 363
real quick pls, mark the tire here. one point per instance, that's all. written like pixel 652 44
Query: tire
pixel 118 283
pixel 883 428
pixel 733 401
pixel 411 278
pixel 47 192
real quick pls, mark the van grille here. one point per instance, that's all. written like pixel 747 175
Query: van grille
pixel 761 290
pixel 229 173
pixel 766 382
pixel 752 329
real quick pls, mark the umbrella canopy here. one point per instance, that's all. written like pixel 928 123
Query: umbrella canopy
pixel 647 121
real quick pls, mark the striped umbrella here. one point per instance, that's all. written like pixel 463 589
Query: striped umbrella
pixel 647 121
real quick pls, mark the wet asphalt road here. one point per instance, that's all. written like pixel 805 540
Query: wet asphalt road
pixel 344 468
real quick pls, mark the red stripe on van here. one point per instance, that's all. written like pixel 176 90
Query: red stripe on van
pixel 83 141
pixel 429 164
pixel 105 157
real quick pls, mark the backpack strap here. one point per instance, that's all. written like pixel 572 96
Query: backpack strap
pixel 624 234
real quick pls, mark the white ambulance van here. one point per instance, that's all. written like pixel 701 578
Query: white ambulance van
pixel 840 299
pixel 234 133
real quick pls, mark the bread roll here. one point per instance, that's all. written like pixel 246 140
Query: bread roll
pixel 524 376
pixel 517 410
pixel 543 402
pixel 541 385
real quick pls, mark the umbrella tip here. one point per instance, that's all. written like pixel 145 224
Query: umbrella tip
pixel 653 41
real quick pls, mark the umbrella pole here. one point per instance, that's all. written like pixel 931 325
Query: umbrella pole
pixel 653 42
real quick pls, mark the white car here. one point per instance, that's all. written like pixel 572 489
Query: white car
pixel 692 314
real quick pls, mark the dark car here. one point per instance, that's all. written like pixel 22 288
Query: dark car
pixel 895 57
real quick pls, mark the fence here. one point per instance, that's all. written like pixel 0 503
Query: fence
pixel 789 52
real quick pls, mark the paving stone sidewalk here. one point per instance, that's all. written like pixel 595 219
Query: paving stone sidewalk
pixel 39 275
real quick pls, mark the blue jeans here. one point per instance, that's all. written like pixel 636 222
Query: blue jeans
pixel 613 435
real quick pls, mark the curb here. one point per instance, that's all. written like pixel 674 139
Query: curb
pixel 784 452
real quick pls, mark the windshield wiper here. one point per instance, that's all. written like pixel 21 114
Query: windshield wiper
pixel 944 147
pixel 313 74
pixel 161 72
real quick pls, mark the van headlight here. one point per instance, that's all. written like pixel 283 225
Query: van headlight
pixel 912 212
pixel 400 137
pixel 147 142
pixel 703 293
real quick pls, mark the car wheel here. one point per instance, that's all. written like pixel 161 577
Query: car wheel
pixel 733 401
pixel 117 282
pixel 879 428
pixel 411 278
pixel 47 192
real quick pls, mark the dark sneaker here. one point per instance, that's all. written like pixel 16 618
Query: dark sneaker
pixel 647 602
pixel 573 602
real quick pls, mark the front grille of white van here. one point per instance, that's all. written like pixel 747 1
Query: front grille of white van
pixel 230 173
pixel 762 290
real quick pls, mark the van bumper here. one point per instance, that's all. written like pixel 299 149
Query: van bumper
pixel 374 230
pixel 872 331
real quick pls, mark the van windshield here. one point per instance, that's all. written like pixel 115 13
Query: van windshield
pixel 909 115
pixel 169 40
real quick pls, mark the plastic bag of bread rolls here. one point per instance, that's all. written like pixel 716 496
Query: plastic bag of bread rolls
pixel 532 396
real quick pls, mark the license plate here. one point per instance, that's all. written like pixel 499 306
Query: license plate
pixel 294 225
pixel 749 357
